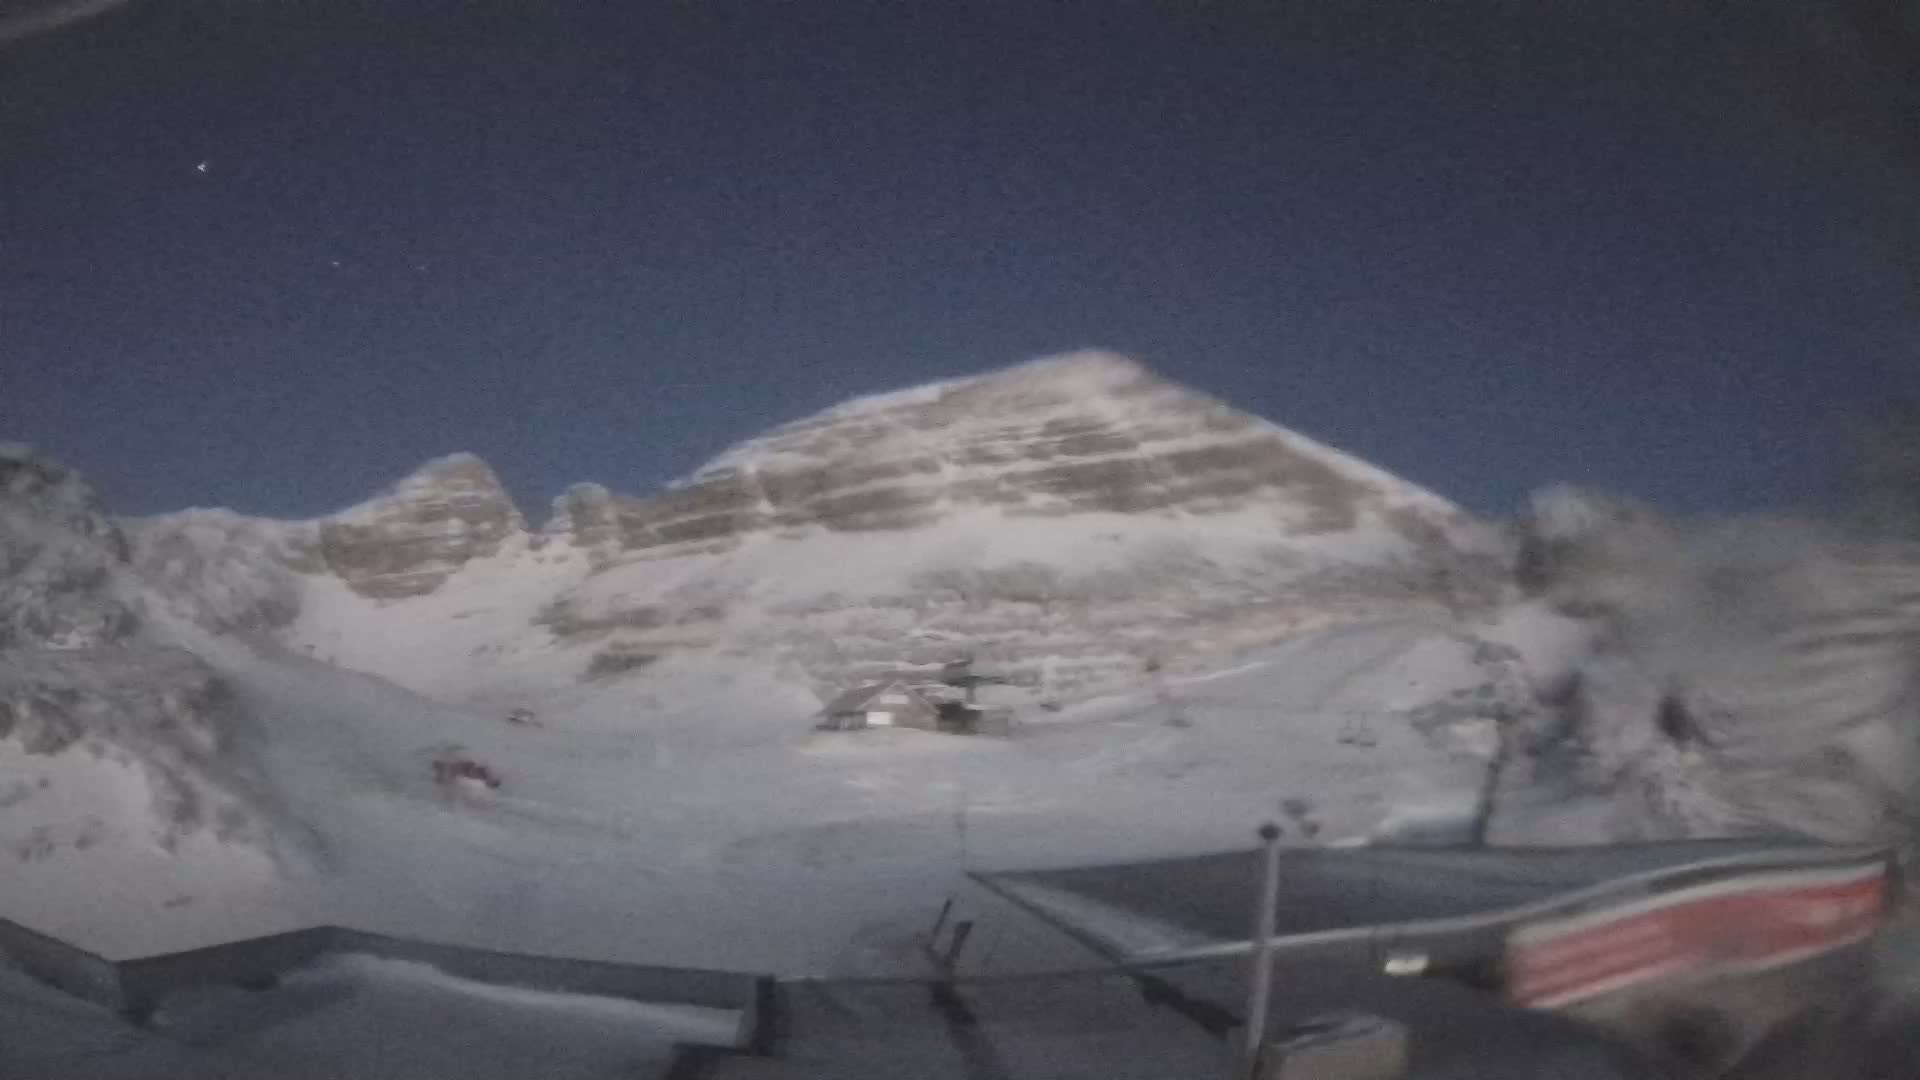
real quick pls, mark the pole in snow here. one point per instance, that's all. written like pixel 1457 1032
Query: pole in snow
pixel 1260 979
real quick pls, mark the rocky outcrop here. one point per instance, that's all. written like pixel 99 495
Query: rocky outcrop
pixel 410 539
pixel 228 572
pixel 1595 554
pixel 585 517
pixel 1748 676
pixel 58 556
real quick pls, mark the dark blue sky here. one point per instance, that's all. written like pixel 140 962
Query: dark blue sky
pixel 1485 250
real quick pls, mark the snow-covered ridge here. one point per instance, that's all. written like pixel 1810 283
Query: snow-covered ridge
pixel 1079 433
pixel 1083 432
pixel 1087 406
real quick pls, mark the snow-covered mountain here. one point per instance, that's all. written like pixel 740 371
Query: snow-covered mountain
pixel 1067 520
pixel 220 724
pixel 212 724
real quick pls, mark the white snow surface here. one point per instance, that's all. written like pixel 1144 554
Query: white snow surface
pixel 82 852
pixel 714 829
pixel 474 636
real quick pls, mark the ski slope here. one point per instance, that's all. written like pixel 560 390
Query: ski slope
pixel 738 837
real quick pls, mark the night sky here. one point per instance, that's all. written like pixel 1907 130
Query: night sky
pixel 1483 249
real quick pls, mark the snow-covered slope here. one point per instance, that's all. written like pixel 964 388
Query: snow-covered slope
pixel 130 781
pixel 691 817
pixel 714 831
pixel 1067 520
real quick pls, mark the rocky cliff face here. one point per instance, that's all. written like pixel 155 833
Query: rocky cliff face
pixel 1077 434
pixel 410 539
pixel 1068 519
pixel 230 572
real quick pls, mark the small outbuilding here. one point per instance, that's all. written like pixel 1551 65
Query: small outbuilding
pixel 887 704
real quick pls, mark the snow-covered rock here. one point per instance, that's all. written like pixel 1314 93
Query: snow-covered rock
pixel 165 718
pixel 59 552
pixel 1758 675
pixel 585 518
pixel 411 538
pixel 1062 520
pixel 230 572
pixel 1084 433
pixel 1590 553
pixel 224 571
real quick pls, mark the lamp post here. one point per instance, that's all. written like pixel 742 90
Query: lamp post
pixel 1260 977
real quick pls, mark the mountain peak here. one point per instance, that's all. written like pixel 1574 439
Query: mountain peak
pixel 1086 372
pixel 410 538
pixel 459 469
pixel 1085 369
pixel 1087 431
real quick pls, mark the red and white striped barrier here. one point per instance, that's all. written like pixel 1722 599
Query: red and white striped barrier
pixel 1738 925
